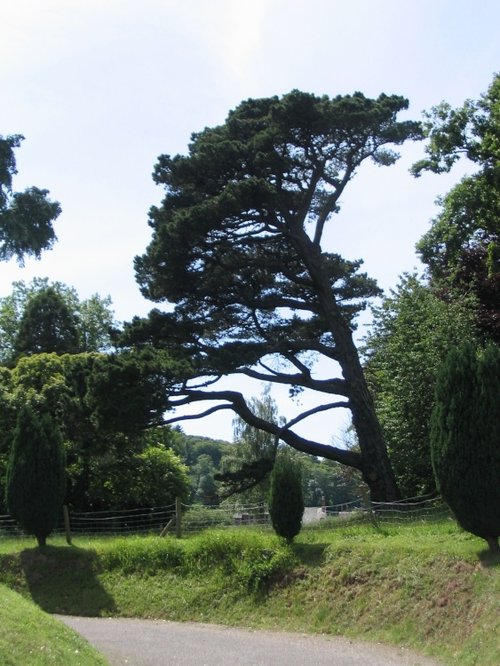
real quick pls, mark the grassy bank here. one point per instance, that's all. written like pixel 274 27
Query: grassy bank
pixel 429 587
pixel 30 636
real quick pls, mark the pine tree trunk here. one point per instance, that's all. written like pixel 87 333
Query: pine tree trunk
pixel 376 469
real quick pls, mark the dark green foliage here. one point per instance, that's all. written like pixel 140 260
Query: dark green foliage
pixel 130 479
pixel 237 248
pixel 47 325
pixel 465 437
pixel 102 403
pixel 36 475
pixel 286 501
pixel 25 217
pixel 128 391
pixel 247 476
pixel 92 317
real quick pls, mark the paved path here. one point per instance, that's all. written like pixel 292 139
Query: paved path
pixel 159 643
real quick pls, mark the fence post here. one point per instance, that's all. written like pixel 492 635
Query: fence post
pixel 178 518
pixel 369 507
pixel 67 527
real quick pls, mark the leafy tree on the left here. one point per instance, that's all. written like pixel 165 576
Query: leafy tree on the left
pixel 25 217
pixel 100 402
pixel 50 317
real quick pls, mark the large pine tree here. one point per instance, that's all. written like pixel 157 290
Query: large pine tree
pixel 240 247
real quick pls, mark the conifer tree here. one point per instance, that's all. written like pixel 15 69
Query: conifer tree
pixel 286 501
pixel 36 477
pixel 47 325
pixel 240 249
pixel 465 436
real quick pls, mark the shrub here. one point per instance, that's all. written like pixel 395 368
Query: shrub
pixel 199 517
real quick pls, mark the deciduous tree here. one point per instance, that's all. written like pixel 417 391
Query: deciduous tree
pixel 132 478
pixel 411 333
pixel 462 247
pixel 25 217
pixel 101 404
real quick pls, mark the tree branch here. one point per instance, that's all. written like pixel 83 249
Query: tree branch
pixel 316 410
pixel 239 405
pixel 188 417
pixel 332 386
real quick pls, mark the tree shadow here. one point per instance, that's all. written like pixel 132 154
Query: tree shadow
pixel 64 580
pixel 489 559
pixel 312 554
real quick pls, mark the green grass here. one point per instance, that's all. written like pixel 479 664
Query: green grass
pixel 427 586
pixel 30 636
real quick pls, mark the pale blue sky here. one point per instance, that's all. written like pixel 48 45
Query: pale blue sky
pixel 100 88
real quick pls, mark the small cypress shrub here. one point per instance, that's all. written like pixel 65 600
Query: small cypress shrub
pixel 465 439
pixel 36 476
pixel 286 501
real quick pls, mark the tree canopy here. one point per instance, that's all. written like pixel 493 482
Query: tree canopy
pixel 462 247
pixel 47 325
pixel 52 315
pixel 25 217
pixel 101 404
pixel 238 248
pixel 411 333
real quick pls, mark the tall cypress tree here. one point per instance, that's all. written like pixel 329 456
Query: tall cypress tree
pixel 286 501
pixel 36 477
pixel 465 437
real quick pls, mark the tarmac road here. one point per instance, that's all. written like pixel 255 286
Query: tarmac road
pixel 158 643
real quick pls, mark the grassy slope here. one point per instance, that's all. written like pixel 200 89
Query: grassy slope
pixel 30 636
pixel 428 587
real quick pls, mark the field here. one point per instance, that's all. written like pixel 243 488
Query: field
pixel 423 585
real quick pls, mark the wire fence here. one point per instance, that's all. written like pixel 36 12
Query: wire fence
pixel 178 517
pixel 427 507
